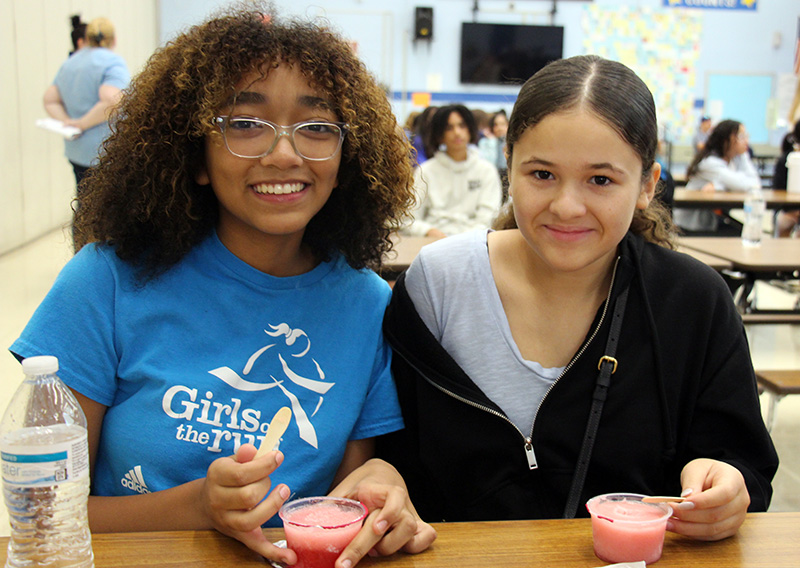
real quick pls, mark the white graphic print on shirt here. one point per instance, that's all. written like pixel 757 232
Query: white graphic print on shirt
pixel 243 425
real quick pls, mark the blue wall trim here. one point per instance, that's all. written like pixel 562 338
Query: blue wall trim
pixel 460 97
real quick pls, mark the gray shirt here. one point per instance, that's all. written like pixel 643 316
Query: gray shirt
pixel 453 289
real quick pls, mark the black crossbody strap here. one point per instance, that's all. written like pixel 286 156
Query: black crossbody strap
pixel 607 366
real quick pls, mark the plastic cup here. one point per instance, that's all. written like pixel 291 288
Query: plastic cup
pixel 625 529
pixel 319 528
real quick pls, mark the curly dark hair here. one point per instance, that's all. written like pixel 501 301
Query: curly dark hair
pixel 441 118
pixel 142 197
pixel 596 83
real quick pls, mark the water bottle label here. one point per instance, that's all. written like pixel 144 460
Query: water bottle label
pixel 41 466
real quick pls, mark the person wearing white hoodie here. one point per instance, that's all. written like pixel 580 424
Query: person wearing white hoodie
pixel 457 190
pixel 723 164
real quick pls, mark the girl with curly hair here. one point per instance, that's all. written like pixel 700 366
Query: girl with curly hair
pixel 223 243
pixel 572 353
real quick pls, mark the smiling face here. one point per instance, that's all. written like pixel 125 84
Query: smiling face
pixel 269 201
pixel 575 184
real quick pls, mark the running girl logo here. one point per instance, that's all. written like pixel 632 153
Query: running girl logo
pixel 284 363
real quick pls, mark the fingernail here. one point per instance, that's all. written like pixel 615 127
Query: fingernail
pixel 279 458
pixel 372 552
pixel 685 506
pixel 284 492
pixel 381 525
pixel 686 492
pixel 347 563
pixel 670 526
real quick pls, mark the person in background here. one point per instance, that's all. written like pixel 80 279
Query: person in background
pixel 703 130
pixel 409 129
pixel 420 138
pixel 794 107
pixel 254 175
pixel 493 147
pixel 456 189
pixel 78 34
pixel 723 164
pixel 786 220
pixel 482 124
pixel 411 120
pixel 87 86
pixel 498 335
pixel 666 189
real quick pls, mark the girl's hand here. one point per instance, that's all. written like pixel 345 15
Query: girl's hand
pixel 716 504
pixel 233 499
pixel 393 523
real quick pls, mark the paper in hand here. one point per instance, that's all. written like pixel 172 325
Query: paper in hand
pixel 53 125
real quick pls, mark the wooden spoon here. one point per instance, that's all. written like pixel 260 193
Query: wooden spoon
pixel 277 427
pixel 660 499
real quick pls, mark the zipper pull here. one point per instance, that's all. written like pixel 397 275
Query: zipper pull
pixel 530 455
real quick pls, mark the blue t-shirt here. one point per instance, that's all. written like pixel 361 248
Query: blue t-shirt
pixel 198 361
pixel 78 81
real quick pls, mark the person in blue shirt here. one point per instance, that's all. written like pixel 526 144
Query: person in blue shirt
pixel 224 243
pixel 87 86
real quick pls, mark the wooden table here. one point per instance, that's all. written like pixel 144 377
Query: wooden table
pixel 768 540
pixel 774 198
pixel 405 250
pixel 714 262
pixel 773 255
pixel 771 258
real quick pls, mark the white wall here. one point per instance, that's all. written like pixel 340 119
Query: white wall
pixel 731 42
pixel 37 182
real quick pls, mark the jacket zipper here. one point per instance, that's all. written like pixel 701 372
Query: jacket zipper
pixel 532 463
pixel 530 455
pixel 528 443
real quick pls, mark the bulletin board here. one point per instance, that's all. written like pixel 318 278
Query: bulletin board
pixel 662 47
pixel 745 98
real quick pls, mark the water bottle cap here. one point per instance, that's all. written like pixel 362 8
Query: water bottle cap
pixel 40 365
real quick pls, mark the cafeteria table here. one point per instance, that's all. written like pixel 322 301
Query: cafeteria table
pixel 407 248
pixel 774 199
pixel 765 540
pixel 773 258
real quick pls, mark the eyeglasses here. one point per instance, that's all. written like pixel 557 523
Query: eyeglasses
pixel 248 137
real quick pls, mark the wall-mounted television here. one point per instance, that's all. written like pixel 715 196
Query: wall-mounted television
pixel 507 53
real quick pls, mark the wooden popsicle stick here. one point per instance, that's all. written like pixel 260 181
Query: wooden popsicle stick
pixel 277 427
pixel 660 499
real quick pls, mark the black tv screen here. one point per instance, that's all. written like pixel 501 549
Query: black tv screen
pixel 507 53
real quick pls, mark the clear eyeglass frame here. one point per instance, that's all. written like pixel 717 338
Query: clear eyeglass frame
pixel 289 131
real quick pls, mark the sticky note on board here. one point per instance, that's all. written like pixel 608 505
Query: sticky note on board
pixel 421 99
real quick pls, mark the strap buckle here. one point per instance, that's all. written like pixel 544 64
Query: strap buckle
pixel 611 360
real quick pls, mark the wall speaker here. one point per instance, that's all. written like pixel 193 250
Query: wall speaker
pixel 423 23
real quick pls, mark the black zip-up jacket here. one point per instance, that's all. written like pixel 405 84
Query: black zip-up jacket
pixel 684 389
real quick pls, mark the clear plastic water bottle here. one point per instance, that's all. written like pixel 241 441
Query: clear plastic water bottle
pixel 754 209
pixel 45 459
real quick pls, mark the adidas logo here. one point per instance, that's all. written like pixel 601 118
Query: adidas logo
pixel 134 481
